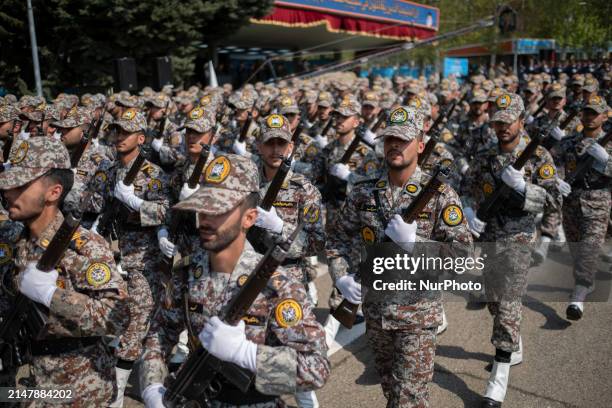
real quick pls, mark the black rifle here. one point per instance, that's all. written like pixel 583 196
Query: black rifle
pixel 434 129
pixel 245 128
pixel 491 204
pixel 27 319
pixel 585 164
pixel 551 142
pixel 117 213
pixel 256 235
pixel 198 378
pixel 90 134
pixel 345 313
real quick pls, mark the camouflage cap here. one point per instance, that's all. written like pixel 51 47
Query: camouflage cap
pixel 533 87
pixel 199 120
pixel 287 105
pixel 8 113
pixel 413 88
pixel 597 103
pixel 590 85
pixel 310 96
pixel 31 159
pixel 509 107
pixel 37 102
pixel 477 79
pixel 10 98
pixel 325 99
pixel 86 99
pixel 478 96
pixel 127 101
pixel 545 78
pixel 158 100
pixel 77 116
pixel 228 181
pixel 275 126
pixel 495 92
pixel 34 116
pixel 370 99
pixel 407 132
pixel 406 116
pixel 243 101
pixel 131 121
pixel 349 106
pixel 487 85
pixel 421 104
pixel 577 79
pixel 556 91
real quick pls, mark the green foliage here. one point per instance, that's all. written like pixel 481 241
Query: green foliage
pixel 78 40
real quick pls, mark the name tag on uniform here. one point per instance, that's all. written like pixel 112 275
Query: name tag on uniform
pixel 284 204
pixel 368 208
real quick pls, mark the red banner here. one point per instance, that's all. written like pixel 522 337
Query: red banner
pixel 291 17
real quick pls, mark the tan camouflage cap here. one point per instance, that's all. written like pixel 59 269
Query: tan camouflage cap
pixel 288 105
pixel 127 101
pixel 31 159
pixel 310 96
pixel 10 98
pixel 275 126
pixel 597 103
pixel 325 99
pixel 533 87
pixel 37 102
pixel 494 94
pixel 8 113
pixel 158 100
pixel 509 107
pixel 556 91
pixel 229 180
pixel 243 100
pixel 478 95
pixel 370 99
pixel 199 120
pixel 76 116
pixel 407 132
pixel 413 88
pixel 577 79
pixel 349 106
pixel 421 104
pixel 590 85
pixel 407 116
pixel 52 112
pixel 34 116
pixel 487 85
pixel 131 121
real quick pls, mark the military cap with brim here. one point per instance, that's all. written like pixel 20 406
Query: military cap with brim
pixel 200 120
pixel 131 121
pixel 596 103
pixel 349 106
pixel 556 91
pixel 8 113
pixel 275 126
pixel 509 106
pixel 31 159
pixel 228 180
pixel 407 132
pixel 590 85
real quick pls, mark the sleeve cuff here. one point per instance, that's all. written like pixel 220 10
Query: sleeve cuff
pixel 276 370
pixel 535 198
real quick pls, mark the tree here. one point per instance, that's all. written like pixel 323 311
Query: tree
pixel 78 40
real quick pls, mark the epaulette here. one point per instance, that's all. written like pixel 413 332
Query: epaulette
pixel 79 239
pixel 298 179
pixel 97 158
pixel 364 181
pixel 147 168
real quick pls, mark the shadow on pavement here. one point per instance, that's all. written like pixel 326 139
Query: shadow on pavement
pixel 454 384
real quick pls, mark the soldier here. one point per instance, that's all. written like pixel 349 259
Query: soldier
pixel 512 229
pixel 401 336
pixel 72 129
pixel 586 210
pixel 169 146
pixel 146 201
pixel 291 112
pixel 8 117
pixel 278 339
pixel 86 297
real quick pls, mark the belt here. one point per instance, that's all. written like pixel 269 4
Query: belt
pixel 291 262
pixel 233 396
pixel 61 346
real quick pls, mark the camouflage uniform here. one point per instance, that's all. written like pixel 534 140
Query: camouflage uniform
pixel 137 238
pixel 586 210
pixel 90 302
pixel 513 228
pixel 230 134
pixel 291 347
pixel 173 149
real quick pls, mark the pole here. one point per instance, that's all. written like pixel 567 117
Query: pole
pixel 34 49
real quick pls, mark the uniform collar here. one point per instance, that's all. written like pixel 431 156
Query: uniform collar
pixel 47 235
pixel 412 186
pixel 262 178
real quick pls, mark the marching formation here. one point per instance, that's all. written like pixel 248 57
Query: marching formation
pixel 179 233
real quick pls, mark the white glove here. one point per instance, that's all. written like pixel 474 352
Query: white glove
pixel 58 135
pixel 153 396
pixel 350 289
pixel 121 271
pixel 402 233
pixel 342 171
pixel 24 135
pixel 477 226
pixel 233 123
pixel 269 220
pixel 529 120
pixel 514 178
pixel 157 143
pixel 126 195
pixel 239 148
pixel 369 137
pixel 463 165
pixel 7 165
pixel 556 133
pixel 292 165
pixel 167 247
pixel 186 191
pixel 229 343
pixel 563 187
pixel 321 141
pixel 598 153
pixel 38 285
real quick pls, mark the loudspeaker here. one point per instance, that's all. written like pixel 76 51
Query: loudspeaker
pixel 162 71
pixel 125 74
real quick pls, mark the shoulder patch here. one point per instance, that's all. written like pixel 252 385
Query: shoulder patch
pixel 288 313
pixel 6 253
pixel 98 274
pixel 546 171
pixel 452 215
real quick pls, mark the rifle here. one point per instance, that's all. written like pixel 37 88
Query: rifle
pixel 345 313
pixel 433 130
pixel 334 188
pixel 256 235
pixel 198 378
pixel 490 205
pixel 245 128
pixel 6 149
pixel 327 127
pixel 90 134
pixel 27 319
pixel 583 167
pixel 551 142
pixel 118 212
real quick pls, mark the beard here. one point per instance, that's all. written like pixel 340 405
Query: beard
pixel 397 166
pixel 223 238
